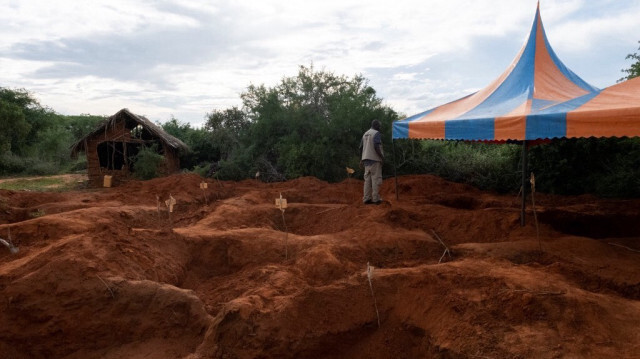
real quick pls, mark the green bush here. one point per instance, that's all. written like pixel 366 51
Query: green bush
pixel 78 165
pixel 11 164
pixel 42 168
pixel 486 166
pixel 202 170
pixel 233 171
pixel 602 166
pixel 147 162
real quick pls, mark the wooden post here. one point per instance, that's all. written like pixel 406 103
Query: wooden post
pixel 395 170
pixel 281 204
pixel 113 155
pixel 525 169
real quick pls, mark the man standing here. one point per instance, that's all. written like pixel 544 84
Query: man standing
pixel 371 160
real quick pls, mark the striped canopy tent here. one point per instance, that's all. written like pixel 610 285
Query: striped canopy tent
pixel 537 97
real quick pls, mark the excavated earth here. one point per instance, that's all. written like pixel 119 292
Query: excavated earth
pixel 109 273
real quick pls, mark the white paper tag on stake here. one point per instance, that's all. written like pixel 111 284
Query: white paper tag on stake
pixel 370 271
pixel 170 203
pixel 281 203
pixel 204 185
pixel 350 170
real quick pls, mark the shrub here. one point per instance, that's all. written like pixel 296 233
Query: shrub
pixel 147 162
pixel 202 170
pixel 42 168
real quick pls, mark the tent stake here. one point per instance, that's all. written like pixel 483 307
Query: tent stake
pixel 525 166
pixel 395 171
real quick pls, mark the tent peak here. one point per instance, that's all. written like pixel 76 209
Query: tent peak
pixel 537 82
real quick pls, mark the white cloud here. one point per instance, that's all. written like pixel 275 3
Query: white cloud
pixel 32 20
pixel 189 57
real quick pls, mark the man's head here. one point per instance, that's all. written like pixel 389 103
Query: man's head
pixel 375 124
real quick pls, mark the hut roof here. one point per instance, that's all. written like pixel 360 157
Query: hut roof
pixel 131 121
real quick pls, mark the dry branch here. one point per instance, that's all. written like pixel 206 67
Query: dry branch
pixel 330 209
pixel 375 302
pixel 625 247
pixel 534 292
pixel 11 247
pixel 286 237
pixel 446 249
pixel 106 285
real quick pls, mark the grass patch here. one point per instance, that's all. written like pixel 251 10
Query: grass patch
pixel 41 184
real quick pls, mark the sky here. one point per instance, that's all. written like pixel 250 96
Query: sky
pixel 186 58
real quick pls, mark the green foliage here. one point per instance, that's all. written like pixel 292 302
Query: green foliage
pixel 311 124
pixel 200 141
pixel 202 171
pixel 232 171
pixel 242 166
pixel 11 164
pixel 227 128
pixel 603 166
pixel 81 125
pixel 634 69
pixel 39 140
pixel 486 166
pixel 147 162
pixel 11 117
pixel 77 165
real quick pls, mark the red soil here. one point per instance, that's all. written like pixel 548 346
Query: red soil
pixel 103 274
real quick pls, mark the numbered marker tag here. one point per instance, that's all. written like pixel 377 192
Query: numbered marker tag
pixel 170 203
pixel 204 185
pixel 350 171
pixel 281 203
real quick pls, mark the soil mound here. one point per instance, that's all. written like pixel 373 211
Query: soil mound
pixel 111 273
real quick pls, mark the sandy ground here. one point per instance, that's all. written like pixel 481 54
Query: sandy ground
pixel 64 177
pixel 105 274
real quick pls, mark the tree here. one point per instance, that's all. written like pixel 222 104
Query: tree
pixel 82 125
pixel 202 149
pixel 311 124
pixel 634 70
pixel 227 127
pixel 39 140
pixel 147 162
pixel 12 116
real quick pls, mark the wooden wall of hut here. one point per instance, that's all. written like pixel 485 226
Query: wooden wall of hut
pixel 119 133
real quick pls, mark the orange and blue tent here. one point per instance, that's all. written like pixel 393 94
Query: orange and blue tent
pixel 537 97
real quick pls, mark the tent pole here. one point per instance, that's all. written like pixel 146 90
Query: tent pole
pixel 395 170
pixel 525 166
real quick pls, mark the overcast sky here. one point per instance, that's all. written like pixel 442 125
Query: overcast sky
pixel 184 58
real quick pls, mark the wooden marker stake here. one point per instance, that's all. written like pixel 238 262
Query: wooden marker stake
pixel 375 302
pixel 203 187
pixel 533 202
pixel 281 204
pixel 350 171
pixel 158 205
pixel 170 203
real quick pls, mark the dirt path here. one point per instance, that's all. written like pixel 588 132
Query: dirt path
pixel 66 178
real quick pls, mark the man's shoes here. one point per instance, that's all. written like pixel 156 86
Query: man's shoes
pixel 377 202
pixel 367 201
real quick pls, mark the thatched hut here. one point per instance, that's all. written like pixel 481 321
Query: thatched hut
pixel 112 147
